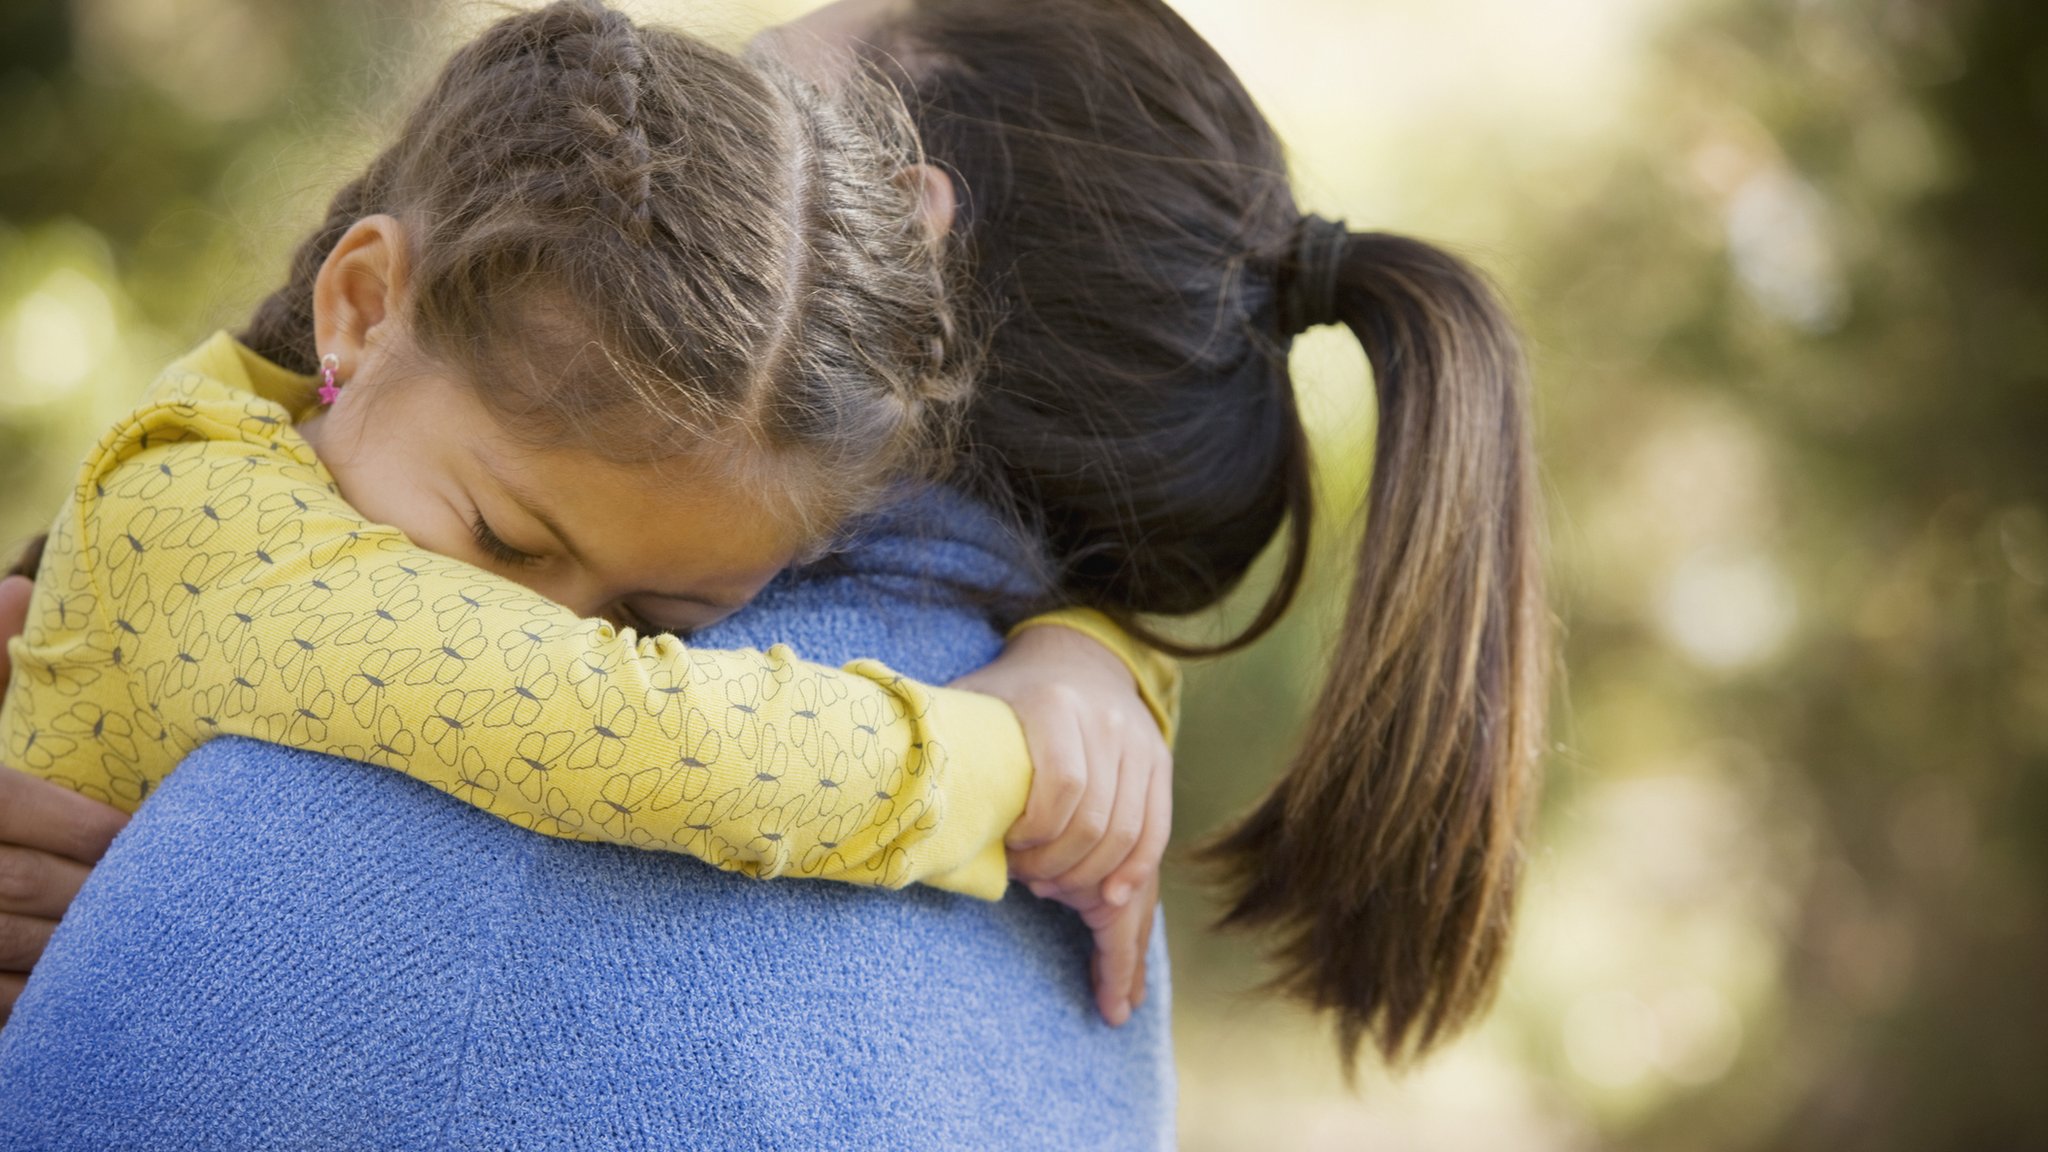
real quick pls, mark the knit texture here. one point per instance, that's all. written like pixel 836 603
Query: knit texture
pixel 375 965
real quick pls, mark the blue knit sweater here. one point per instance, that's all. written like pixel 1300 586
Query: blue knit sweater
pixel 289 951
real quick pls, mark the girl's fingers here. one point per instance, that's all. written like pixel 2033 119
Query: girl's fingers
pixel 1148 902
pixel 1047 863
pixel 1142 865
pixel 1059 782
pixel 1118 956
pixel 1089 823
pixel 1119 834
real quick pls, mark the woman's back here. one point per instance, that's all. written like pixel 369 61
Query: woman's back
pixel 375 965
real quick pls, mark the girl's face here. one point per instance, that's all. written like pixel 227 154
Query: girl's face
pixel 676 546
pixel 676 550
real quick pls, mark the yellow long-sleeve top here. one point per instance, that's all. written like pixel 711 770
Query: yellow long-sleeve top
pixel 206 578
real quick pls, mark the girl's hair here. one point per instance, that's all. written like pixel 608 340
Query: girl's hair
pixel 1128 215
pixel 637 242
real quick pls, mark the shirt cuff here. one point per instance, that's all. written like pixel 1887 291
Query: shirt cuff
pixel 983 784
pixel 1157 674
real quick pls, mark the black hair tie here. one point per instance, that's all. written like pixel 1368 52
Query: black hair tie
pixel 1309 298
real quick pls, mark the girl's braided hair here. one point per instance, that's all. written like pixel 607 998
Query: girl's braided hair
pixel 633 241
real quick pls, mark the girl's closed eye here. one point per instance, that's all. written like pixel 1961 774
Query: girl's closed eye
pixel 494 545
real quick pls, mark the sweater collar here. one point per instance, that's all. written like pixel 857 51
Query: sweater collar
pixel 228 360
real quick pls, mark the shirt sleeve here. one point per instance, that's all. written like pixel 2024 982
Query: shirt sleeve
pixel 1157 674
pixel 252 600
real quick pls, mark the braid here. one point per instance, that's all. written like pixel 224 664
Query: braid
pixel 604 90
pixel 843 226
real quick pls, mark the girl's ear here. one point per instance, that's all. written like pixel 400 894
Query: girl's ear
pixel 357 294
pixel 935 199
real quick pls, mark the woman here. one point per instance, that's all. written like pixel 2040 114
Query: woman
pixel 1127 212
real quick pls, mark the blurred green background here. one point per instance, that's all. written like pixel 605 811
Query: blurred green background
pixel 1784 265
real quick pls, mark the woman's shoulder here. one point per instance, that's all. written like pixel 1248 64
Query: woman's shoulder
pixel 375 958
pixel 927 585
pixel 941 535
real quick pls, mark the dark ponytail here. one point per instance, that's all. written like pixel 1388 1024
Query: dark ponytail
pixel 1388 858
pixel 1127 214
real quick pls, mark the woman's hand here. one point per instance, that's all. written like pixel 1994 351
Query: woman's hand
pixel 1101 803
pixel 49 838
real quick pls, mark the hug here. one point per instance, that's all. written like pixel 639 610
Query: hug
pixel 655 635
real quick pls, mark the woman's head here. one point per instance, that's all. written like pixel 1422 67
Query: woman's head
pixel 1125 208
pixel 1126 212
pixel 626 244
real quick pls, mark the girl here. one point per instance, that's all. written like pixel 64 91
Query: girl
pixel 601 267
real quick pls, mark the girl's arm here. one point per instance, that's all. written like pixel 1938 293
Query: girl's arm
pixel 241 595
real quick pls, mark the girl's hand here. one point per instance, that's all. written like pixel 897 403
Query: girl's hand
pixel 1101 803
pixel 49 839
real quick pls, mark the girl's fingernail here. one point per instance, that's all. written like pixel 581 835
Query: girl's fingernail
pixel 1117 893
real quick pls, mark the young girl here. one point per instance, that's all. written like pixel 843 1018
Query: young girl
pixel 604 270
pixel 1132 222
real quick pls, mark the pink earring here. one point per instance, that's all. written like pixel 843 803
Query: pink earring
pixel 329 390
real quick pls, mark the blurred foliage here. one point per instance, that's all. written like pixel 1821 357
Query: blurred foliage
pixel 1784 265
